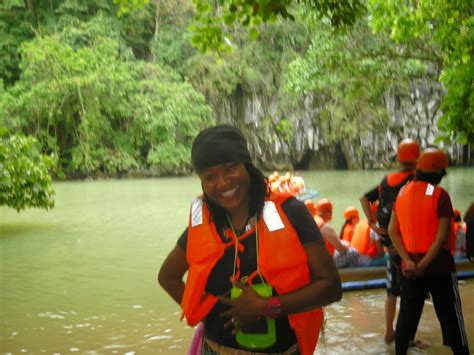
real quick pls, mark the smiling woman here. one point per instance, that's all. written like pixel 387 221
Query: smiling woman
pixel 262 249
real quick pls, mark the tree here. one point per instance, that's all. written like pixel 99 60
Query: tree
pixel 215 20
pixel 98 109
pixel 25 179
pixel 447 29
pixel 347 74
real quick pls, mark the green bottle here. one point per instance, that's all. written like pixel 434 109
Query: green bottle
pixel 260 334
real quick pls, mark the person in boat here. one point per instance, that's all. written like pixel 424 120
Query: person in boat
pixel 367 242
pixel 258 271
pixel 469 220
pixel 420 229
pixel 351 218
pixel 385 193
pixel 459 227
pixel 343 254
pixel 288 183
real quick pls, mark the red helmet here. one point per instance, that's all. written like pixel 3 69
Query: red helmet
pixel 408 150
pixel 431 160
pixel 351 212
pixel 324 205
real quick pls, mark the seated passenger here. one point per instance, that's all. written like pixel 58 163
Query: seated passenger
pixel 343 254
pixel 351 218
pixel 460 232
pixel 367 242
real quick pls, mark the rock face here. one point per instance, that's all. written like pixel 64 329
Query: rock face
pixel 293 137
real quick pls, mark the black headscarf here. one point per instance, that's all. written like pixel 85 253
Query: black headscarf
pixel 218 145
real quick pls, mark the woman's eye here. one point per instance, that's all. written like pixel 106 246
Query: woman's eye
pixel 209 177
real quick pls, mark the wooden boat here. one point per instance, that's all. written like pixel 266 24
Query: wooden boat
pixel 369 277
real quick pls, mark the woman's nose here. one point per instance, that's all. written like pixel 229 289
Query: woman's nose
pixel 222 180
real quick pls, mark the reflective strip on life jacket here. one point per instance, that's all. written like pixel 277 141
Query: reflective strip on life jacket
pixel 288 272
pixel 281 270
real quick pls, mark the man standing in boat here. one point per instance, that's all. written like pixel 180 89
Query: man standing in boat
pixel 386 193
pixel 421 231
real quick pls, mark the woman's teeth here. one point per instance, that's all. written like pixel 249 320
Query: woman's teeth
pixel 229 193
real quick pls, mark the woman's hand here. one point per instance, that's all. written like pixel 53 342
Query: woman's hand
pixel 248 307
pixel 409 269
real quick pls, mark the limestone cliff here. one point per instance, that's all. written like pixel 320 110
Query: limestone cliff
pixel 302 144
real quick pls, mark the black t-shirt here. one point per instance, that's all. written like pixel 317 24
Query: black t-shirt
pixel 219 278
pixel 373 194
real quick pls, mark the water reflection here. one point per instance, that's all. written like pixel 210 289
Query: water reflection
pixel 81 278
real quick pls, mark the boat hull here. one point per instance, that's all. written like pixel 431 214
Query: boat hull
pixel 369 277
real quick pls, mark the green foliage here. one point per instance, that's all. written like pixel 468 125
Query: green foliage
pixel 24 174
pixel 347 75
pixel 126 6
pixel 447 29
pixel 98 111
pixel 285 130
pixel 171 44
pixel 215 20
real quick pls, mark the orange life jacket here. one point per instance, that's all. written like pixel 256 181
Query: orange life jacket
pixel 347 232
pixel 320 222
pixel 361 239
pixel 277 239
pixel 388 191
pixel 416 209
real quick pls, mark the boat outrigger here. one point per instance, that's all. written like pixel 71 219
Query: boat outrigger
pixel 369 277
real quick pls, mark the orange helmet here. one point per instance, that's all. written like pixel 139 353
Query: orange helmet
pixel 408 150
pixel 431 160
pixel 351 212
pixel 310 206
pixel 324 205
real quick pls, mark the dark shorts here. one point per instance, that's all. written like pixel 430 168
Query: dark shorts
pixel 394 275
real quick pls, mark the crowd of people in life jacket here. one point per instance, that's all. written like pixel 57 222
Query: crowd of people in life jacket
pixel 287 182
pixel 356 244
pixel 359 245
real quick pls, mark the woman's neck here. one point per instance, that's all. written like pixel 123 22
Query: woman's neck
pixel 239 217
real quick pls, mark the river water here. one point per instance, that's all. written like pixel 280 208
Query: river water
pixel 81 278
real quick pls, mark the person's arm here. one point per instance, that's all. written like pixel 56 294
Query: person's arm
pixel 324 288
pixel 171 273
pixel 396 237
pixel 441 237
pixel 365 204
pixel 330 234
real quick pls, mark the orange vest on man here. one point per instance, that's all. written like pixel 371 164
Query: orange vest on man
pixel 361 239
pixel 416 208
pixel 285 274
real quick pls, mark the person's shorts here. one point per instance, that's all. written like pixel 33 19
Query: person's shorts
pixel 394 275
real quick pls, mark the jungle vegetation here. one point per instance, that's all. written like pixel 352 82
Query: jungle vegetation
pixel 96 88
